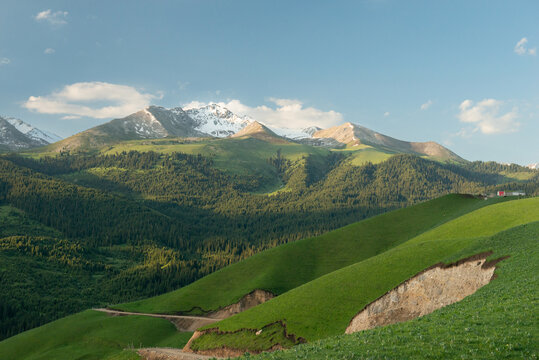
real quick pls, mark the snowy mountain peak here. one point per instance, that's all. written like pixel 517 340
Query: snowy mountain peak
pixel 295 134
pixel 15 134
pixel 33 132
pixel 534 166
pixel 217 120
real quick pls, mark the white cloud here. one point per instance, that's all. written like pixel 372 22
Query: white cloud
pixel 98 100
pixel 53 18
pixel 49 51
pixel 487 116
pixel 287 113
pixel 426 105
pixel 4 61
pixel 386 113
pixel 521 47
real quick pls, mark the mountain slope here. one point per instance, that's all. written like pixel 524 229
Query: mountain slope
pixel 153 122
pixel 217 121
pixel 286 267
pixel 353 135
pixel 259 131
pixel 497 322
pixel 213 120
pixel 15 135
pixel 321 307
pixel 33 132
pixel 325 306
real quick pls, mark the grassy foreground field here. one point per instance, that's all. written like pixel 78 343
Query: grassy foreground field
pixel 498 322
pixel 92 335
pixel 281 269
pixel 325 306
pixel 324 281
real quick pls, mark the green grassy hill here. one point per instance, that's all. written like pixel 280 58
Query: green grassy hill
pixel 145 223
pixel 238 156
pixel 323 282
pixel 325 306
pixel 283 268
pixel 498 322
pixel 92 335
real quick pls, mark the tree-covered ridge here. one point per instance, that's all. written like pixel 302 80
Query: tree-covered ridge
pixel 135 224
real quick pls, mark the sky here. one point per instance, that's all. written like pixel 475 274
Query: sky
pixel 461 73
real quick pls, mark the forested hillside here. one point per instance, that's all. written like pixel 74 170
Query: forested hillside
pixel 126 226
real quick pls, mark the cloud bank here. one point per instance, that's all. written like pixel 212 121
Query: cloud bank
pixel 487 117
pixel 53 18
pixel 98 100
pixel 286 113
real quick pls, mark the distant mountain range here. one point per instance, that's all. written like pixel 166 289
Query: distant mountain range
pixel 15 135
pixel 155 122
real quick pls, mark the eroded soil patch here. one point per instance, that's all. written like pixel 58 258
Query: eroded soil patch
pixel 254 298
pixel 434 288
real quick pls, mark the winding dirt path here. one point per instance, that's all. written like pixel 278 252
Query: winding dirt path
pixel 182 322
pixel 170 354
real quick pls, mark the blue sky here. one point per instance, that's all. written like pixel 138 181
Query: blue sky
pixel 462 73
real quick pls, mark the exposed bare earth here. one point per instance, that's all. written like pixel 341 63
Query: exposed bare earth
pixel 191 323
pixel 250 300
pixel 431 289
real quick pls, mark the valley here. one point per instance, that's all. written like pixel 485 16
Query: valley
pixel 273 180
pixel 223 239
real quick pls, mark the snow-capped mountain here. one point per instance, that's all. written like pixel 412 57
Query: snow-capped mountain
pixel 33 132
pixel 534 166
pixel 295 134
pixel 153 122
pixel 15 134
pixel 217 121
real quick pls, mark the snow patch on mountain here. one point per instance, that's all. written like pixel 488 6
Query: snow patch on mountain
pixel 217 121
pixel 32 132
pixel 534 166
pixel 295 134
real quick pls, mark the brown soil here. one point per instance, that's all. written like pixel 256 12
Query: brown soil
pixel 434 288
pixel 254 298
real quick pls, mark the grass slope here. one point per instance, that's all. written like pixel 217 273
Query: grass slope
pixel 92 335
pixel 324 306
pixel 238 156
pixel 498 322
pixel 283 268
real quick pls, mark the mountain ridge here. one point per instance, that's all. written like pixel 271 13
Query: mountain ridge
pixel 350 135
pixel 215 121
pixel 16 134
